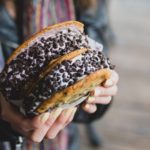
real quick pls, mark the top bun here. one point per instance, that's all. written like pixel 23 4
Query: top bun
pixel 50 30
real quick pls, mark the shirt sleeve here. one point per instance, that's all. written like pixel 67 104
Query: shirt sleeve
pixel 84 117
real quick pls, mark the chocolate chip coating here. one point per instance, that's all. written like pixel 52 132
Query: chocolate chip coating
pixel 26 66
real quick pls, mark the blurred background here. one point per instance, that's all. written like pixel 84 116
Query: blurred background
pixel 126 126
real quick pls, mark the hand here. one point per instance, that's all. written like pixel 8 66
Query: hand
pixel 102 94
pixel 36 129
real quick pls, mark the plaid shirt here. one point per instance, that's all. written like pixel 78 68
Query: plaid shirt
pixel 42 13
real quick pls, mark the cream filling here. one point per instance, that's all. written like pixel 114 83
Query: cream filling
pixel 95 45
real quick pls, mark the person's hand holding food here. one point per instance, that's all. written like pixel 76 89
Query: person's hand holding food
pixel 54 71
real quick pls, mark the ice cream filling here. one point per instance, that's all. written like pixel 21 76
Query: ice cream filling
pixel 34 58
pixel 66 74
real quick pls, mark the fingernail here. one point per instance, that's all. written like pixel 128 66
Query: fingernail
pixel 109 99
pixel 97 92
pixel 106 101
pixel 92 93
pixel 74 110
pixel 71 117
pixel 44 117
pixel 87 106
pixel 68 111
pixel 109 82
pixel 91 99
pixel 52 136
pixel 56 112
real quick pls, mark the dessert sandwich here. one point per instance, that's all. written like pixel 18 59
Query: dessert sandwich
pixel 57 67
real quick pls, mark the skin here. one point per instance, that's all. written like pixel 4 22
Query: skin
pixel 48 125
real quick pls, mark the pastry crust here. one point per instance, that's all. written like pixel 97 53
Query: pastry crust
pixel 76 91
pixel 66 24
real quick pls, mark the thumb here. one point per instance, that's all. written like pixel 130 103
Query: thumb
pixel 12 115
pixel 40 120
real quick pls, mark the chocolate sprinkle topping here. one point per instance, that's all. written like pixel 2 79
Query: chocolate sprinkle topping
pixel 26 66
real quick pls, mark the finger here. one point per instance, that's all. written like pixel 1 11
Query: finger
pixel 103 100
pixel 90 108
pixel 53 116
pixel 101 91
pixel 99 100
pixel 27 125
pixel 59 124
pixel 70 117
pixel 113 80
pixel 37 121
pixel 14 117
pixel 39 134
pixel 91 100
pixel 26 134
